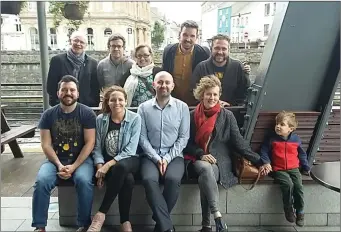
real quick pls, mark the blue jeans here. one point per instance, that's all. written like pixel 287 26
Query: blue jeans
pixel 47 180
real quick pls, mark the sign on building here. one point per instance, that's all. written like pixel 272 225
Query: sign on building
pixel 224 21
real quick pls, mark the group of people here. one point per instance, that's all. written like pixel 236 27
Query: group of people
pixel 155 142
pixel 186 61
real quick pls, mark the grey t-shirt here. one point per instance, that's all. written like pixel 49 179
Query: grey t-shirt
pixel 110 74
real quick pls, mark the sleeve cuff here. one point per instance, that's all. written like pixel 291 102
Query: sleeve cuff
pixel 118 158
pixel 98 161
pixel 156 158
pixel 167 158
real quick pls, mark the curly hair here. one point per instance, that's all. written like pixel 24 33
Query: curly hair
pixel 289 117
pixel 106 97
pixel 205 83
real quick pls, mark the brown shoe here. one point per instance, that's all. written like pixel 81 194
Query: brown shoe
pixel 126 227
pixel 300 219
pixel 97 222
pixel 289 214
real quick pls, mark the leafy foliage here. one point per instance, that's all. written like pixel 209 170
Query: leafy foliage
pixel 57 9
pixel 158 34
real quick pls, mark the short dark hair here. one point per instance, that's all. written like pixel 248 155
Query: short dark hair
pixel 117 36
pixel 220 37
pixel 189 24
pixel 68 78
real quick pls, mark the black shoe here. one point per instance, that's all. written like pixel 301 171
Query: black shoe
pixel 171 230
pixel 206 229
pixel 220 226
pixel 289 214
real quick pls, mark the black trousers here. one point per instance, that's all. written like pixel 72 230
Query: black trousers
pixel 120 181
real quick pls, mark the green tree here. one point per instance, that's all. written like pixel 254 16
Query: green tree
pixel 158 35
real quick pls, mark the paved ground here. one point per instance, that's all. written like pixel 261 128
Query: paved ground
pixel 18 175
pixel 16 216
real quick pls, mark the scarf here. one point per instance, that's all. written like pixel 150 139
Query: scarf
pixel 204 123
pixel 132 81
pixel 76 60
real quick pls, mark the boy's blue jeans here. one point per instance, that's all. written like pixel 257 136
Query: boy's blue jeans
pixel 47 180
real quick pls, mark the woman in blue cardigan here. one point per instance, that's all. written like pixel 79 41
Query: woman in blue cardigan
pixel 117 137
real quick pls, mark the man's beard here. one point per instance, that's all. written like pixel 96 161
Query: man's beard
pixel 67 103
pixel 220 61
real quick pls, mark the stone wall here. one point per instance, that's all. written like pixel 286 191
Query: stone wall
pixel 261 206
pixel 24 66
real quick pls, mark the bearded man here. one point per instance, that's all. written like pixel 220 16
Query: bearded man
pixel 231 72
pixel 67 134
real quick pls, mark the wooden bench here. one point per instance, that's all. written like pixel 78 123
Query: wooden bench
pixel 25 131
pixel 9 135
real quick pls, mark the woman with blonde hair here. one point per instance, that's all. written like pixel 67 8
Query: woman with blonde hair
pixel 138 81
pixel 117 136
pixel 213 134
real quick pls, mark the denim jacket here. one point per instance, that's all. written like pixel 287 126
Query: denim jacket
pixel 129 136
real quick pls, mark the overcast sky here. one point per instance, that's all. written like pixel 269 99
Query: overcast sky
pixel 180 11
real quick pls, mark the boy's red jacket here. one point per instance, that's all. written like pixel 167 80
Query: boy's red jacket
pixel 284 154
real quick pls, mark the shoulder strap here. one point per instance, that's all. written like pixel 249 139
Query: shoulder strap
pixel 252 185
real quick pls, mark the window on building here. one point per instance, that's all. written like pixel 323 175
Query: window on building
pixel 34 38
pixel 274 11
pixel 246 21
pixel 18 27
pixel 90 35
pixel 233 22
pixel 242 21
pixel 107 32
pixel 53 38
pixel 238 22
pixel 267 9
pixel 17 24
pixel 266 29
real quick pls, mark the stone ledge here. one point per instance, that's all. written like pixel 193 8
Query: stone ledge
pixel 260 206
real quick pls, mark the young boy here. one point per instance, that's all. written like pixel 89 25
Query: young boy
pixel 283 154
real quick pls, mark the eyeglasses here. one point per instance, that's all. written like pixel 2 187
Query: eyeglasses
pixel 146 56
pixel 78 41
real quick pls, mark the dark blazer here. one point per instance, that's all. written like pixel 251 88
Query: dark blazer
pixel 235 81
pixel 127 74
pixel 88 83
pixel 199 54
pixel 225 139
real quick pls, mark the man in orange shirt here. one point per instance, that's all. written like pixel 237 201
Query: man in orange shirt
pixel 180 59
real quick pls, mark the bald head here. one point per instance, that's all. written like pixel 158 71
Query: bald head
pixel 79 35
pixel 163 74
pixel 163 84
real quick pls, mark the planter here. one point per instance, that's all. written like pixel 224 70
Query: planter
pixel 8 7
pixel 73 11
